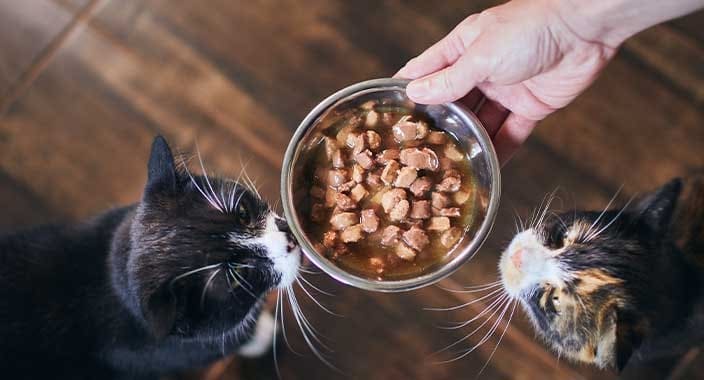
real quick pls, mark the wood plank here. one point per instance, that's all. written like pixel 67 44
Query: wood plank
pixel 287 76
pixel 628 129
pixel 677 57
pixel 26 29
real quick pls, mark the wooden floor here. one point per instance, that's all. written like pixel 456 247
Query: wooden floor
pixel 85 85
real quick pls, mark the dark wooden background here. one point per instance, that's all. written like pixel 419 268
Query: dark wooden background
pixel 85 85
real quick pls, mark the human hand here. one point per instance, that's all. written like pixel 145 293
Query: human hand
pixel 521 56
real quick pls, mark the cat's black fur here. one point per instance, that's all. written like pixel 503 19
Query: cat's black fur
pixel 96 300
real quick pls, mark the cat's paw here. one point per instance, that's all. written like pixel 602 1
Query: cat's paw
pixel 263 337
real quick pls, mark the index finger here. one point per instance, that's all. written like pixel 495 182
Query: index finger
pixel 441 54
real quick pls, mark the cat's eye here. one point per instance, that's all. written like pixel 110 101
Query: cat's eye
pixel 243 214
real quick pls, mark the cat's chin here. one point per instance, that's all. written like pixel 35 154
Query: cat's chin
pixel 287 267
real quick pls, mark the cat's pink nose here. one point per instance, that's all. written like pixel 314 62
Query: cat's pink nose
pixel 517 257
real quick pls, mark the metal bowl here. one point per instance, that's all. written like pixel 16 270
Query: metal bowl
pixel 452 118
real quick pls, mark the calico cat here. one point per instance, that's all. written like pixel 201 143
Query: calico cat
pixel 615 288
pixel 175 281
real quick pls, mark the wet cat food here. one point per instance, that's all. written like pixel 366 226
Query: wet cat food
pixel 389 194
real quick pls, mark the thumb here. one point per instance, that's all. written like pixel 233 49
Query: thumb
pixel 450 83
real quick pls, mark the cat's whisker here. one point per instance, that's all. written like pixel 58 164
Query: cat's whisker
pixel 494 292
pixel 191 272
pixel 472 288
pixel 207 286
pixel 250 184
pixel 308 271
pixel 508 323
pixel 486 337
pixel 277 312
pixel 308 332
pixel 315 300
pixel 200 190
pixel 244 284
pixel 315 287
pixel 597 233
pixel 520 220
pixel 207 181
pixel 280 304
pixel 487 309
pixel 309 327
pixel 596 221
pixel 231 197
pixel 496 310
pixel 559 219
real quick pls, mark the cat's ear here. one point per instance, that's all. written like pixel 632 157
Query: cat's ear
pixel 161 170
pixel 655 210
pixel 159 311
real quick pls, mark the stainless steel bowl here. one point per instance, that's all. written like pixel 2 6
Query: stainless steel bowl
pixel 452 118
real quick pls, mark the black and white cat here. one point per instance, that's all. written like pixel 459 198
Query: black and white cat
pixel 173 282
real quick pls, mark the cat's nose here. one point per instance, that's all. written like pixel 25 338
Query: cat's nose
pixel 282 225
pixel 517 258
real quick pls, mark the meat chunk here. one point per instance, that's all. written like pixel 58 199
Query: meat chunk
pixel 373 140
pixel 420 210
pixel 336 177
pixel 343 135
pixel 400 210
pixel 450 211
pixel 390 235
pixel 461 197
pixel 453 153
pixel 450 237
pixel 421 186
pixel 449 184
pixel 352 234
pixel 374 180
pixel 406 130
pixel 338 159
pixel 360 144
pixel 438 223
pixel 317 212
pixel 387 155
pixel 416 238
pixel 340 249
pixel 419 158
pixel 378 264
pixel 390 172
pixel 358 173
pixel 343 220
pixel 364 159
pixel 351 139
pixel 330 197
pixel 370 222
pixel 371 119
pixel 347 186
pixel 317 192
pixel 330 239
pixel 344 202
pixel 405 252
pixel 330 147
pixel 439 200
pixel 358 193
pixel 445 163
pixel 391 198
pixel 436 138
pixel 405 177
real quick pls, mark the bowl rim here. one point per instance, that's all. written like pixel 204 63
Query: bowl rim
pixel 467 117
